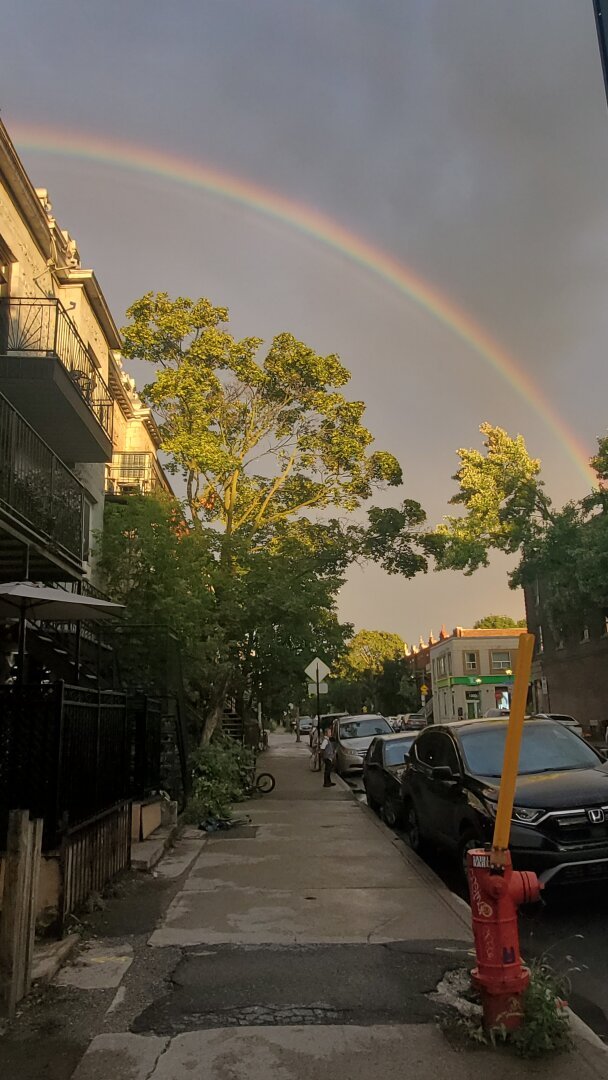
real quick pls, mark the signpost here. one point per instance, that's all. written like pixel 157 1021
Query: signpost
pixel 316 671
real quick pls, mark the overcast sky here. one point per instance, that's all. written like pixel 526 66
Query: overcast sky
pixel 467 138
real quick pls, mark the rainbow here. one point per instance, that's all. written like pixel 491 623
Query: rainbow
pixel 312 223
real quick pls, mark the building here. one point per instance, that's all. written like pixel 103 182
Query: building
pixel 71 423
pixel 570 667
pixel 472 672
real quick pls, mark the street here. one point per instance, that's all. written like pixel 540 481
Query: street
pixel 569 931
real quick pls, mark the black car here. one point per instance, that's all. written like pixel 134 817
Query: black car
pixel 560 817
pixel 383 767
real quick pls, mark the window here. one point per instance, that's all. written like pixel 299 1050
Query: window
pixel 585 634
pixel 471 661
pixel 540 644
pixel 449 663
pixel 605 622
pixel 500 660
pixel 442 665
pixel 436 749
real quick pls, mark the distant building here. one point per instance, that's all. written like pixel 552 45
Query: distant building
pixel 472 672
pixel 570 667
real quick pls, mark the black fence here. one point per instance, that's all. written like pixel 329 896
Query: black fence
pixel 64 755
pixel 145 719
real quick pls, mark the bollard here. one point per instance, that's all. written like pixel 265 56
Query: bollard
pixel 500 976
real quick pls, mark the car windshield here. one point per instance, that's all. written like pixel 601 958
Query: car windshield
pixel 545 748
pixel 360 729
pixel 395 751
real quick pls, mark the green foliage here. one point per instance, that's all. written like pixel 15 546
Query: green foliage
pixel 546 1024
pixel 505 507
pixel 498 622
pixel 257 441
pixel 374 674
pixel 220 773
pixel 368 651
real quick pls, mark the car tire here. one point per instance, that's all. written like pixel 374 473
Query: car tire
pixel 392 812
pixel 412 828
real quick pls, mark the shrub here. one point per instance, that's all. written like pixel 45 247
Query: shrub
pixel 220 776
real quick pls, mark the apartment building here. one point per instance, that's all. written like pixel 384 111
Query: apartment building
pixel 472 672
pixel 71 423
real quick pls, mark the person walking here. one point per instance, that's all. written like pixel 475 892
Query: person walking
pixel 328 757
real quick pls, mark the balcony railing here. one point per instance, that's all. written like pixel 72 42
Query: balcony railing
pixel 36 488
pixel 42 327
pixel 134 472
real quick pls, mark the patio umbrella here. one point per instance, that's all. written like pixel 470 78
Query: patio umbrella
pixel 25 599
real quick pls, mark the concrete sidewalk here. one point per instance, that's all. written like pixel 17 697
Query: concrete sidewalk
pixel 308 943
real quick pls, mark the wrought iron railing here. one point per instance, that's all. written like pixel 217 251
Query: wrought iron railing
pixel 36 488
pixel 42 327
pixel 131 471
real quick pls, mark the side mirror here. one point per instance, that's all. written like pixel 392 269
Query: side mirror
pixel 442 772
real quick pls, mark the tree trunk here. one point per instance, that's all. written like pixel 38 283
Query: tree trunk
pixel 213 720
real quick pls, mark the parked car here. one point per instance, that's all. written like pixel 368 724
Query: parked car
pixel 305 725
pixel 352 736
pixel 413 721
pixel 560 817
pixel 383 767
pixel 562 718
pixel 496 714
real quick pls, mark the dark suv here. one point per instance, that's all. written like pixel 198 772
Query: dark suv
pixel 560 817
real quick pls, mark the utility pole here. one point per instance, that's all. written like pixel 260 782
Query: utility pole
pixel 600 8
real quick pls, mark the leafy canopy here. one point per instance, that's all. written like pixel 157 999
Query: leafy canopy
pixel 257 440
pixel 503 500
pixel 498 622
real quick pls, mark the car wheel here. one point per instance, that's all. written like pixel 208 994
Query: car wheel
pixel 412 828
pixel 392 813
pixel 468 842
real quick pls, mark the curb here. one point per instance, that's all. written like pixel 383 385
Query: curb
pixel 49 958
pixel 580 1030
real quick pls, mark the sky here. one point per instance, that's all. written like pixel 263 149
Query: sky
pixel 466 139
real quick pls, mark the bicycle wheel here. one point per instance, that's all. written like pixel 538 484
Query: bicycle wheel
pixel 264 783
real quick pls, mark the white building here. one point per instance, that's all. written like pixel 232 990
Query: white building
pixel 472 672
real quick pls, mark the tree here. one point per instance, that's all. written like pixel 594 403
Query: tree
pixel 260 442
pixel 498 622
pixel 505 506
pixel 256 441
pixel 368 651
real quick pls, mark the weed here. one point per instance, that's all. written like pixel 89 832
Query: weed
pixel 545 1028
pixel 219 778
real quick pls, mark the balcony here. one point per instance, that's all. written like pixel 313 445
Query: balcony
pixel 135 474
pixel 41 506
pixel 46 371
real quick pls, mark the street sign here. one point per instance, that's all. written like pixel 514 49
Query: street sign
pixel 312 688
pixel 317 669
pixel 424 690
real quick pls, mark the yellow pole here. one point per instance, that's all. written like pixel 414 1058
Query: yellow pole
pixel 504 812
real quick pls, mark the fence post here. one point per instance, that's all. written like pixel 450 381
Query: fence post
pixel 18 923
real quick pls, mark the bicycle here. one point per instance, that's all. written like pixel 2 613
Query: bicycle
pixel 260 783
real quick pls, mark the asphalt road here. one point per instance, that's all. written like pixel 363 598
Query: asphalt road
pixel 570 931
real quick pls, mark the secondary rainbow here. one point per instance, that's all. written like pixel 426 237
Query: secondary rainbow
pixel 145 159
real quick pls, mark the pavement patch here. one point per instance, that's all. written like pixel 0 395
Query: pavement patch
pixel 228 986
pixel 97 967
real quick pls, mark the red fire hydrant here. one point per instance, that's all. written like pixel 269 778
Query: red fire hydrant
pixel 495 896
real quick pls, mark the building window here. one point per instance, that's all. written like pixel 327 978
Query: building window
pixel 500 660
pixel 605 622
pixel 449 663
pixel 585 634
pixel 442 665
pixel 540 644
pixel 471 661
pixel 536 595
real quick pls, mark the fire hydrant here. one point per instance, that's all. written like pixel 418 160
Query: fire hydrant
pixel 495 896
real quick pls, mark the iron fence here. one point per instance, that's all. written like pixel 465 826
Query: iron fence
pixel 145 715
pixel 36 489
pixel 64 755
pixel 41 326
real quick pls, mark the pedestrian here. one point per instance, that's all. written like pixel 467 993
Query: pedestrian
pixel 328 756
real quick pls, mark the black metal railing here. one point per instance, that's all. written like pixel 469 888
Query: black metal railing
pixel 42 327
pixel 64 754
pixel 131 471
pixel 36 489
pixel 145 716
